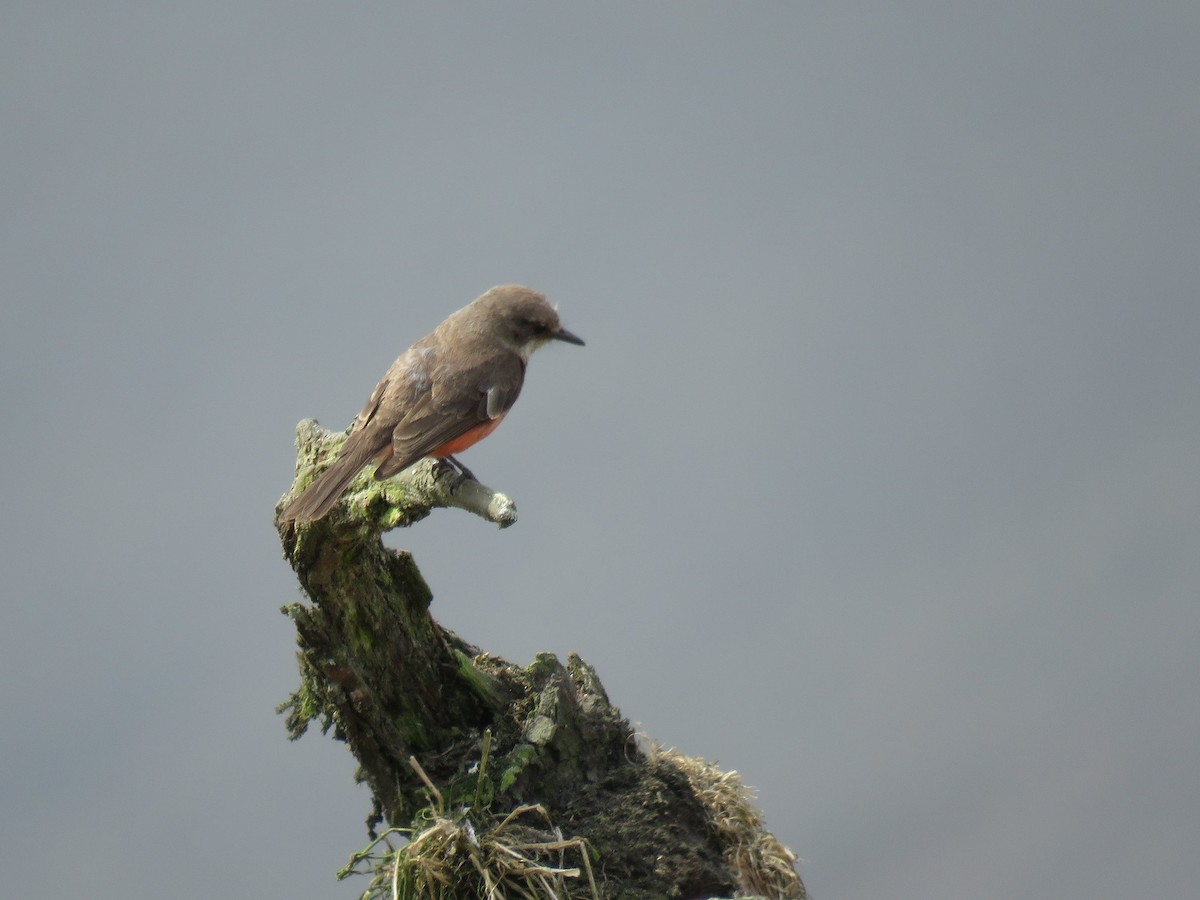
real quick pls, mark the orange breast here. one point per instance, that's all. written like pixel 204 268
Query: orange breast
pixel 465 440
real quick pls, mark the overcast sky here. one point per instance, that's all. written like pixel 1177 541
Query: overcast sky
pixel 878 479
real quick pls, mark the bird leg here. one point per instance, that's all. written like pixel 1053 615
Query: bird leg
pixel 452 462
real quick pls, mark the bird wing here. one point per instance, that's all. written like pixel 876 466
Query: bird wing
pixel 456 401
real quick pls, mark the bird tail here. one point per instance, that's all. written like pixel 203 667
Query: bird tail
pixel 320 496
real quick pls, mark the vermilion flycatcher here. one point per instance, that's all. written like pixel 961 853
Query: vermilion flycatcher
pixel 447 391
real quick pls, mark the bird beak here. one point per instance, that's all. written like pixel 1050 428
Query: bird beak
pixel 564 335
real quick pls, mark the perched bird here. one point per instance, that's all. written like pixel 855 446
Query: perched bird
pixel 449 390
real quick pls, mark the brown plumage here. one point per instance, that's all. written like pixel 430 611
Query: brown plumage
pixel 447 391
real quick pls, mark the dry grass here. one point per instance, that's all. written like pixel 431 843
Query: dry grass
pixel 763 866
pixel 474 853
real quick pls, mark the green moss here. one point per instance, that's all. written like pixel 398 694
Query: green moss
pixel 489 689
pixel 360 635
pixel 513 764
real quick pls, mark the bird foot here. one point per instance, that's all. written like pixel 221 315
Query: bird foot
pixel 449 465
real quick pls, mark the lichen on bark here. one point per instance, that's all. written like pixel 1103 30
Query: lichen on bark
pixel 384 677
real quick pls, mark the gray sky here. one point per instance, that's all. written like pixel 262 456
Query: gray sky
pixel 877 480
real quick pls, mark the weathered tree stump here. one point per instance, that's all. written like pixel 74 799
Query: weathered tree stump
pixel 500 776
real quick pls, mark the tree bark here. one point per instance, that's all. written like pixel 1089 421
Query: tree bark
pixel 460 745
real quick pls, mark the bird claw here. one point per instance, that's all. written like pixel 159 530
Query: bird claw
pixel 449 465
